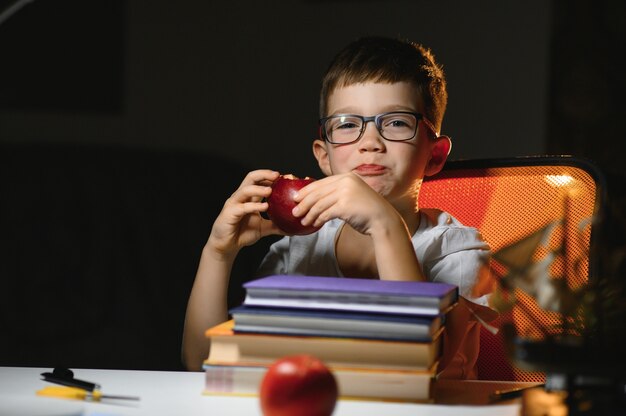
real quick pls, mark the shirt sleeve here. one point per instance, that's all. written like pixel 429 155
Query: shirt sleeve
pixel 276 259
pixel 452 253
pixel 303 255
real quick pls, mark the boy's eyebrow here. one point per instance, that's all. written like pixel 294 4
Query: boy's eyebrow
pixel 386 109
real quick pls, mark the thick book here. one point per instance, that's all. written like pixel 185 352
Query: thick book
pixel 351 294
pixel 369 384
pixel 242 348
pixel 325 323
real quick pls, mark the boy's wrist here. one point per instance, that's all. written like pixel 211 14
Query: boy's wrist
pixel 389 225
pixel 217 253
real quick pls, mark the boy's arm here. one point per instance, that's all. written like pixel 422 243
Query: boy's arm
pixel 239 224
pixel 348 197
pixel 394 251
pixel 206 307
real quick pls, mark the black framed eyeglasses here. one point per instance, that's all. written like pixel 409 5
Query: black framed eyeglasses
pixel 396 126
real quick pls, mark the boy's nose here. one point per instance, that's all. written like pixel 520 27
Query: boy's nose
pixel 371 139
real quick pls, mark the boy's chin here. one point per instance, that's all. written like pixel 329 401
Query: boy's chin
pixel 378 184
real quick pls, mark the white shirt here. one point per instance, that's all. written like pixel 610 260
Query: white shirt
pixel 447 251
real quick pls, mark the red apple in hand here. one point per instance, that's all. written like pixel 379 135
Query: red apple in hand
pixel 281 203
pixel 298 385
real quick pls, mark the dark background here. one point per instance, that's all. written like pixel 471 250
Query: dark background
pixel 124 125
pixel 524 77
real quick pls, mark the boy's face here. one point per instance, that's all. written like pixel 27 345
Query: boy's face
pixel 393 169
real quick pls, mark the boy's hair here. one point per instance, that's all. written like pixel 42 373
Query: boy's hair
pixel 387 60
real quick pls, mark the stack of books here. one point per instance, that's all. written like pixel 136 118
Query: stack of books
pixel 381 339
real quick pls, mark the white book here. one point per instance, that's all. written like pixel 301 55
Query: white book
pixel 372 384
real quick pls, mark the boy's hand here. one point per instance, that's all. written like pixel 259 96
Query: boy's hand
pixel 240 223
pixel 345 196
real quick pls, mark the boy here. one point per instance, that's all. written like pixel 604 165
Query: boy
pixel 382 104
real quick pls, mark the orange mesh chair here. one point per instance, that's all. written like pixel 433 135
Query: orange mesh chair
pixel 510 200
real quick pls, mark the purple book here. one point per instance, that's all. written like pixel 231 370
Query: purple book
pixel 339 293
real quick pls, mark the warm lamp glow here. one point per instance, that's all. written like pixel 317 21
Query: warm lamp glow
pixel 559 180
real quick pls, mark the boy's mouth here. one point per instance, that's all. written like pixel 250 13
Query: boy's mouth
pixel 370 170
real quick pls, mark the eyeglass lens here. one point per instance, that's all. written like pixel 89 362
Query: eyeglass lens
pixel 392 126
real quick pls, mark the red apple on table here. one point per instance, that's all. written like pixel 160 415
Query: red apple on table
pixel 281 203
pixel 298 385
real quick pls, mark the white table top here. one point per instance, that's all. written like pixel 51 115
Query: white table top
pixel 180 393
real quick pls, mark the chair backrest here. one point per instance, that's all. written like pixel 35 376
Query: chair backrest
pixel 510 200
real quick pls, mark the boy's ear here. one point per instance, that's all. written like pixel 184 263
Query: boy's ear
pixel 320 151
pixel 438 155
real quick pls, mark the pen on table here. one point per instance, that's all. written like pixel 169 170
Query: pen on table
pixel 510 394
pixel 76 393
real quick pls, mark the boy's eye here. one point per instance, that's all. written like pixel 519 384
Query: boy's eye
pixel 343 123
pixel 347 125
pixel 398 123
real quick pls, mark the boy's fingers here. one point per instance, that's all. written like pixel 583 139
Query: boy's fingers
pixel 234 212
pixel 266 176
pixel 253 192
pixel 317 201
pixel 319 206
pixel 315 186
pixel 253 207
